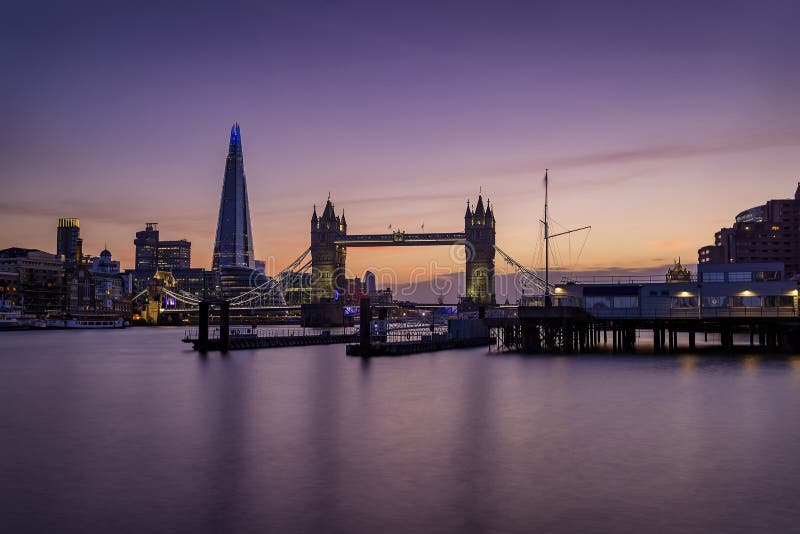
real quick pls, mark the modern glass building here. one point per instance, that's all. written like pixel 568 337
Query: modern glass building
pixel 146 244
pixel 234 243
pixel 68 240
pixel 174 255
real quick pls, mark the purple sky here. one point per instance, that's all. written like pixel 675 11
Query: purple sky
pixel 659 121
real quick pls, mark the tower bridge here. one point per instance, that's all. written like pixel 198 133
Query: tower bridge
pixel 316 279
pixel 330 241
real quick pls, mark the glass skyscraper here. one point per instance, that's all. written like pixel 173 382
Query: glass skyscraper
pixel 234 244
pixel 68 241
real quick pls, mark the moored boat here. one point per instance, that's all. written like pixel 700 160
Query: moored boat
pixel 95 321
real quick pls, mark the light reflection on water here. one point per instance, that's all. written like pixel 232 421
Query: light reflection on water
pixel 129 431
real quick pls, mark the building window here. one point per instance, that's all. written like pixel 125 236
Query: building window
pixel 774 301
pixel 764 276
pixel 598 302
pixel 713 277
pixel 745 302
pixel 740 276
pixel 626 302
pixel 684 302
pixel 714 302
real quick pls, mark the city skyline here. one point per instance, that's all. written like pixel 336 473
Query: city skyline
pixel 657 138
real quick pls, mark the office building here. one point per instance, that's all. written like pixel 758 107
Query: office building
pixel 69 245
pixel 153 254
pixel 40 279
pixel 174 255
pixel 146 244
pixel 762 234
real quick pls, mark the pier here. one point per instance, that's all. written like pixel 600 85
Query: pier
pixel 568 330
pixel 241 338
pixel 227 337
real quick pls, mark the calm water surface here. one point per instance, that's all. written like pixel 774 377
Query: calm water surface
pixel 128 431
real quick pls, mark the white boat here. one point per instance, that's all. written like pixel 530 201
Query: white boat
pixel 10 317
pixel 33 322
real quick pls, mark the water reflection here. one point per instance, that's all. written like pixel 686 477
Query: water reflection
pixel 148 437
pixel 688 364
pixel 750 365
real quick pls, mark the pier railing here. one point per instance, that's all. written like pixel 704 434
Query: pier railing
pixel 622 279
pixel 766 312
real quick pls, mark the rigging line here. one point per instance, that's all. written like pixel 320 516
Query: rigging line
pixel 585 239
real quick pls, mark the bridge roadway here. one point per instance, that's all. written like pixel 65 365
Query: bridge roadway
pixel 402 238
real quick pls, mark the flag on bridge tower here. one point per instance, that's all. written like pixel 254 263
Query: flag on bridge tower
pixel 423 225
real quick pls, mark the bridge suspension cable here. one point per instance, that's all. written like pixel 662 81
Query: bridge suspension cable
pixel 182 296
pixel 273 283
pixel 529 275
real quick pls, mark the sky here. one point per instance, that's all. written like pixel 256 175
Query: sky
pixel 659 122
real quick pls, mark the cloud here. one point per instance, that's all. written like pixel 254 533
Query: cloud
pixel 652 154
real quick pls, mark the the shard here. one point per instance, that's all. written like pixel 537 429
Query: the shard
pixel 234 244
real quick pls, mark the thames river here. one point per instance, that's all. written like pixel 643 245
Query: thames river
pixel 130 431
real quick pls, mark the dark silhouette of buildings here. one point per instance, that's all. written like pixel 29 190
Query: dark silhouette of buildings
pixel 763 234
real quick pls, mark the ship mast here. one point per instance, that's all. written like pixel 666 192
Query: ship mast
pixel 547 236
pixel 546 247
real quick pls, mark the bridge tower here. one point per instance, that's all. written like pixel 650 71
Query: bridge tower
pixel 327 258
pixel 479 234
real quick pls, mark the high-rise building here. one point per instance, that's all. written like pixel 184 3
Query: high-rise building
pixel 763 234
pixel 174 255
pixel 146 243
pixel 152 254
pixel 370 285
pixel 233 246
pixel 68 240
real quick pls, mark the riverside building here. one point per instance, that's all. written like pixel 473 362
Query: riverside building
pixel 765 233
